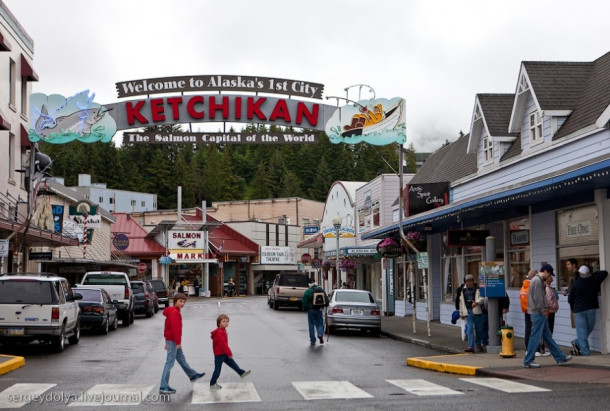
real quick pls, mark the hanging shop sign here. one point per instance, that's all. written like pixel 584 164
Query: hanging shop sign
pixel 120 242
pixel 424 197
pixel 93 221
pixel 185 240
pixel 466 238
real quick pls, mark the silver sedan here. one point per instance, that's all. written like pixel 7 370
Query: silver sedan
pixel 353 309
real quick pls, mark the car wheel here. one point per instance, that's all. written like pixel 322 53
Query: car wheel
pixel 105 326
pixel 115 323
pixel 132 316
pixel 57 342
pixel 376 332
pixel 75 338
pixel 125 319
pixel 150 312
pixel 276 306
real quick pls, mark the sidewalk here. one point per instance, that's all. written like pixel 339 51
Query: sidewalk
pixel 452 358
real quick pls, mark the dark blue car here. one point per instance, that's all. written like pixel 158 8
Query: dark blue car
pixel 97 310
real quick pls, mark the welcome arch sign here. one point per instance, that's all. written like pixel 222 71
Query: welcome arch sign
pixel 290 104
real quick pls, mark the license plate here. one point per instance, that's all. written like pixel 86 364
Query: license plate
pixel 293 298
pixel 14 332
pixel 357 312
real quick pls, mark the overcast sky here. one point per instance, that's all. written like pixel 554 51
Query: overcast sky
pixel 436 54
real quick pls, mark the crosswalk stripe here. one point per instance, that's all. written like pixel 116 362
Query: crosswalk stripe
pixel 319 390
pixel 230 392
pixel 18 395
pixel 114 394
pixel 423 387
pixel 508 386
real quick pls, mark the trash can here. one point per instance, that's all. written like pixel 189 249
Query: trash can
pixel 508 339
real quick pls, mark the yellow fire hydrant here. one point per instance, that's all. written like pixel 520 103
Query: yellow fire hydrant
pixel 508 339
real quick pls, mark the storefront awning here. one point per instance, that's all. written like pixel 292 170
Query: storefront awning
pixel 4 44
pixel 27 71
pixel 572 187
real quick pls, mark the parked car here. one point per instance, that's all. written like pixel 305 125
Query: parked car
pixel 97 310
pixel 353 309
pixel 287 290
pixel 117 285
pixel 143 300
pixel 161 290
pixel 38 306
pixel 154 296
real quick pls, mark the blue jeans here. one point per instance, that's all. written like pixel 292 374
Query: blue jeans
pixel 585 322
pixel 475 323
pixel 173 354
pixel 314 319
pixel 540 329
pixel 218 361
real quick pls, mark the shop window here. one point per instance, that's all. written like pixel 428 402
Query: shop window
pixel 519 258
pixel 577 237
pixel 451 278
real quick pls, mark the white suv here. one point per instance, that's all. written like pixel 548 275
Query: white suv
pixel 39 307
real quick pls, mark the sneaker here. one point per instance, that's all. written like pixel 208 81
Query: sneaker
pixel 197 376
pixel 575 348
pixel 321 339
pixel 312 344
pixel 215 387
pixel 537 354
pixel 245 374
pixel 565 360
pixel 531 365
pixel 546 353
pixel 166 390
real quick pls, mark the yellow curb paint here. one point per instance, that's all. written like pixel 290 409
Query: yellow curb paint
pixel 12 364
pixel 442 367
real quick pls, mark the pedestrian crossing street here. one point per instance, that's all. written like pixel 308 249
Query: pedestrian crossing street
pixel 21 394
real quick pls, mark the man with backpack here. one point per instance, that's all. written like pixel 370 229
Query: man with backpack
pixel 314 301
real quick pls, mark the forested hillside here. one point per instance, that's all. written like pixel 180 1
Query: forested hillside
pixel 223 172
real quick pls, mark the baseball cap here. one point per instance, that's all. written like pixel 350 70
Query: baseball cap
pixel 547 267
pixel 584 271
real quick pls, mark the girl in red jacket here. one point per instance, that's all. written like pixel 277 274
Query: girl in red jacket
pixel 222 352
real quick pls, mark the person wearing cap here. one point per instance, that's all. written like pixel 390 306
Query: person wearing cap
pixel 471 309
pixel 584 304
pixel 536 307
pixel 314 313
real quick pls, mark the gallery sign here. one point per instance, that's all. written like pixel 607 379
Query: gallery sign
pixel 424 197
pixel 58 119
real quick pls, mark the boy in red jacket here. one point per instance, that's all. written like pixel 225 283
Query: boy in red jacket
pixel 173 345
pixel 222 352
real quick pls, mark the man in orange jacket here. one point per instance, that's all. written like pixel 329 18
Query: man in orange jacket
pixel 525 287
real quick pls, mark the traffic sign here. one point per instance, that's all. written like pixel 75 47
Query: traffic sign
pixel 3 248
pixel 142 267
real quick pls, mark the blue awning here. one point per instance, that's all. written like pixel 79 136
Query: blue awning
pixel 571 188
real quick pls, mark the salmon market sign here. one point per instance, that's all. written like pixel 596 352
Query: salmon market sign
pixel 217 98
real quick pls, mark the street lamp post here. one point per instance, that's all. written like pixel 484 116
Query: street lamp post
pixel 337 225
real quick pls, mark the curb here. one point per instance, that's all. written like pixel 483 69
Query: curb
pixel 8 365
pixel 425 363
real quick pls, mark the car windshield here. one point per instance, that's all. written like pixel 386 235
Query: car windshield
pixel 27 292
pixel 137 287
pixel 90 295
pixel 295 280
pixel 351 297
pixel 158 285
pixel 104 280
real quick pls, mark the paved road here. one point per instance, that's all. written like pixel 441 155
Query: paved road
pixel 351 371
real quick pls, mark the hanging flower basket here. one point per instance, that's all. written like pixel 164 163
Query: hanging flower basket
pixel 326 265
pixel 388 248
pixel 348 264
pixel 317 263
pixel 165 260
pixel 416 238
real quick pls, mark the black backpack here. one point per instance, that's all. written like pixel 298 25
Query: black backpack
pixel 318 299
